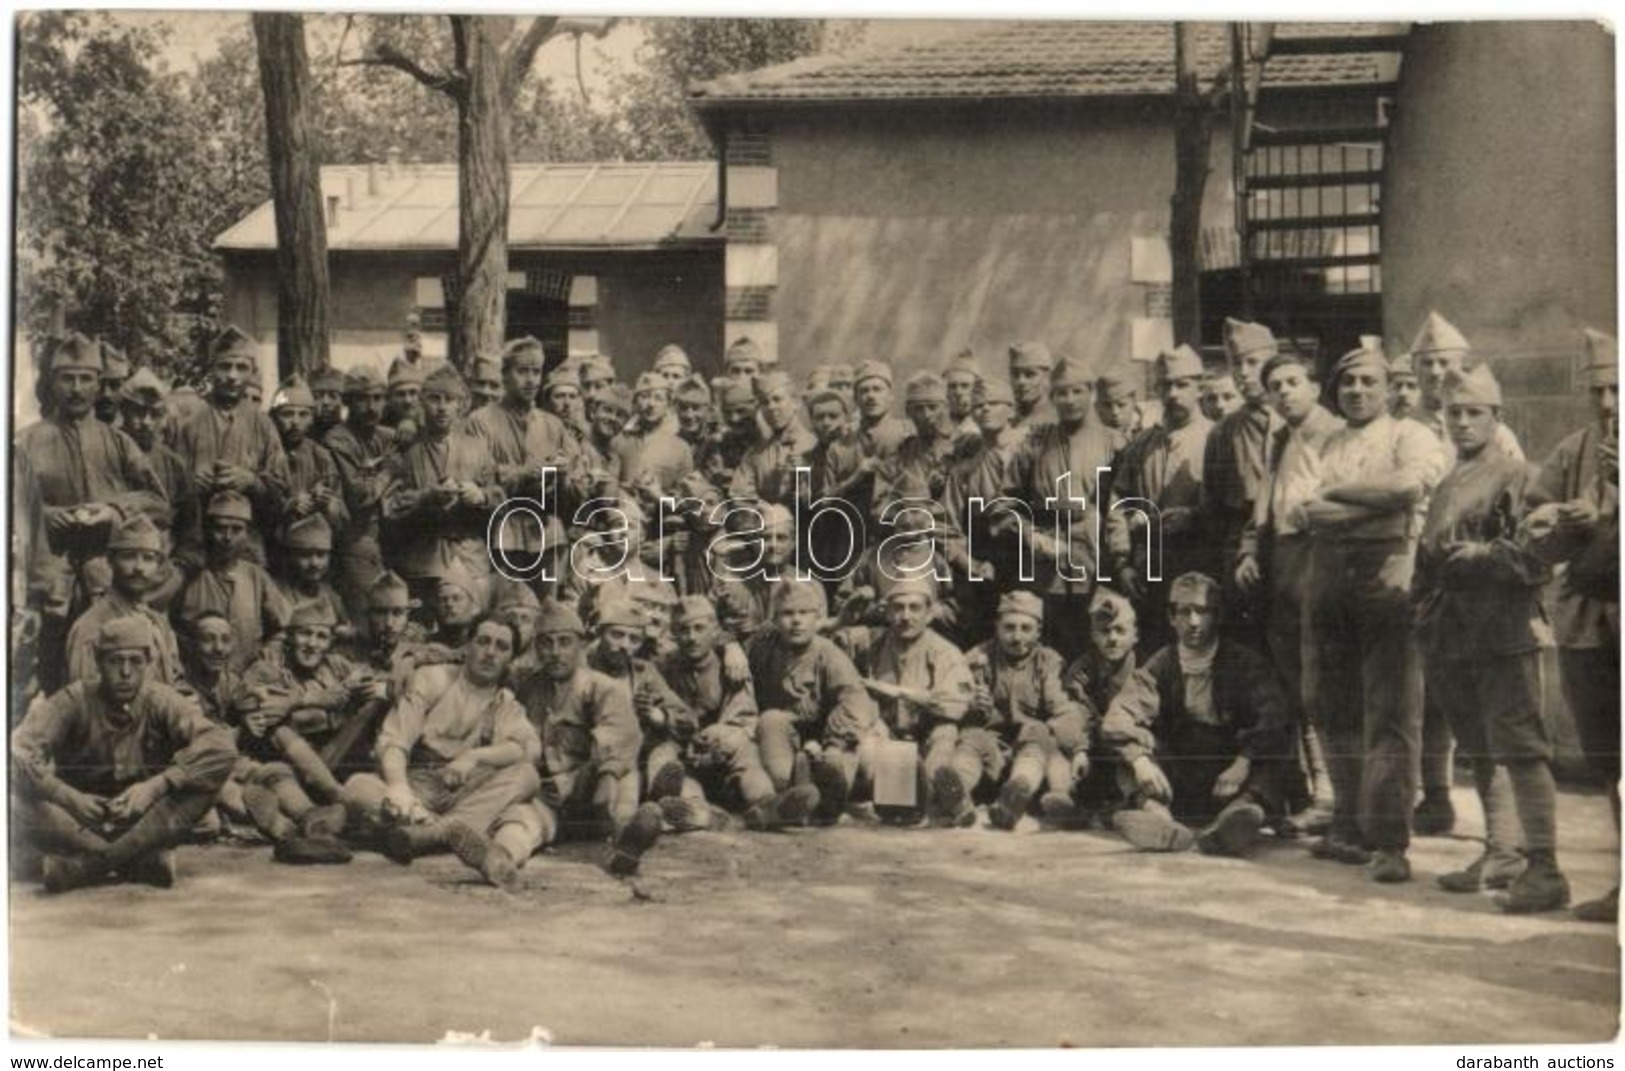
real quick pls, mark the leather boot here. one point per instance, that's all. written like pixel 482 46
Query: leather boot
pixel 1014 799
pixel 1152 830
pixel 830 780
pixel 478 852
pixel 1495 869
pixel 1604 908
pixel 1234 832
pixel 402 844
pixel 1541 887
pixel 792 807
pixel 636 838
pixel 950 801
pixel 262 806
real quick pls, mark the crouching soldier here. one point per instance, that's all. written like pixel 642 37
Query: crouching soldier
pixel 1020 712
pixel 817 719
pixel 1203 731
pixel 457 763
pixel 590 741
pixel 112 773
pixel 723 754
pixel 1093 680
pixel 666 722
pixel 925 688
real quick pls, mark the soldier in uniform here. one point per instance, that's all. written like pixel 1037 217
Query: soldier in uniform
pixel 959 379
pixel 1480 625
pixel 327 392
pixel 597 375
pixel 650 452
pixel 923 457
pixel 1203 731
pixel 1577 527
pixel 1404 390
pixel 1031 368
pixel 308 546
pixel 1364 515
pixel 314 487
pixel 136 553
pixel 743 360
pixel 485 382
pixel 1117 402
pixel 691 399
pixel 141 417
pixel 878 433
pixel 402 409
pixel 227 582
pixel 673 363
pixel 767 472
pixel 361 447
pixel 110 774
pixel 115 370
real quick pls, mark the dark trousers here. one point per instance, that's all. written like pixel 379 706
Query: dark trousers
pixel 1590 678
pixel 1367 685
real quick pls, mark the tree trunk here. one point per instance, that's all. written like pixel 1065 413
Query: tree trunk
pixel 296 188
pixel 482 186
pixel 1193 131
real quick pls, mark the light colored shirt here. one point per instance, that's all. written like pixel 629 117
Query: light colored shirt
pixel 448 715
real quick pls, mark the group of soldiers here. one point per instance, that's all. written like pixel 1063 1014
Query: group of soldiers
pixel 480 610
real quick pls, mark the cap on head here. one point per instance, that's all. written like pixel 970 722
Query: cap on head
pixel 403 373
pixel 114 364
pixel 328 378
pixel 992 389
pixel 523 349
pixel 693 391
pixel 925 387
pixel 743 349
pixel 693 608
pixel 230 505
pixel 1031 354
pixel 774 381
pixel 309 533
pixel 925 586
pixel 313 612
pixel 1362 359
pixel 136 533
pixel 1601 359
pixel 558 617
pixel 389 591
pixel 618 610
pixel 1438 335
pixel 873 370
pixel 293 394
pixel 652 381
pixel 514 594
pixel 233 341
pixel 827 395
pixel 458 575
pixel 1242 338
pixel 129 633
pixel 672 356
pixel 1108 607
pixel 1403 366
pixel 74 350
pixel 485 370
pixel 1025 603
pixel 1119 380
pixel 363 380
pixel 143 389
pixel 1472 386
pixel 1070 372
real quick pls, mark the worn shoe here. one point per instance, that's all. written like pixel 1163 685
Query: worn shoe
pixel 831 784
pixel 1492 870
pixel 61 874
pixel 1152 831
pixel 1435 816
pixel 1059 810
pixel 397 844
pixel 1338 850
pixel 1602 909
pixel 1014 799
pixel 311 851
pixel 156 869
pixel 950 802
pixel 478 852
pixel 1234 832
pixel 1541 887
pixel 792 807
pixel 637 837
pixel 667 781
pixel 1389 867
pixel 266 813
pixel 684 815
pixel 323 822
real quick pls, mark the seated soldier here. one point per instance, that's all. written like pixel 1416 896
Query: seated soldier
pixel 814 704
pixel 265 795
pixel 756 563
pixel 135 555
pixel 590 741
pixel 111 774
pixel 1093 680
pixel 1203 731
pixel 723 754
pixel 1020 713
pixel 666 721
pixel 456 761
pixel 925 688
pixel 297 698
pixel 307 557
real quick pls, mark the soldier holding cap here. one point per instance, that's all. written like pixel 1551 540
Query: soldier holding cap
pixel 1376 474
pixel 110 774
pixel 1578 525
pixel 1480 627
pixel 1021 715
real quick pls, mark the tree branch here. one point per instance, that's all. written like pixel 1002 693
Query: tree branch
pixel 523 52
pixel 389 56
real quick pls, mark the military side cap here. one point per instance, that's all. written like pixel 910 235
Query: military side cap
pixel 558 617
pixel 1601 359
pixel 672 356
pixel 618 610
pixel 914 585
pixel 328 378
pixel 737 392
pixel 1438 335
pixel 231 505
pixel 1022 602
pixel 1108 608
pixel 694 608
pixel 598 363
pixel 405 372
pixel 818 379
pixel 137 533
pixel 1242 338
pixel 390 591
pixel 514 594
pixel 992 390
pixel 526 347
pixel 841 372
pixel 963 363
pixel 312 612
pixel 618 395
pixel 485 369
pixel 132 632
pixel 445 380
pixel 143 388
pixel 363 380
pixel 925 387
pixel 309 533
pixel 1473 386
pixel 234 342
pixel 827 394
pixel 561 377
pixel 1070 372
pixel 458 575
pixel 649 381
pixel 1119 379
pixel 694 391
pixel 774 381
pixel 1361 358
pixel 293 394
pixel 652 591
pixel 793 594
pixel 872 370
pixel 1403 366
pixel 1181 362
pixel 1031 354
pixel 74 350
pixel 744 348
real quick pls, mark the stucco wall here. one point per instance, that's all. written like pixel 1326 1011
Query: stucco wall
pixel 1499 206
pixel 645 300
pixel 909 233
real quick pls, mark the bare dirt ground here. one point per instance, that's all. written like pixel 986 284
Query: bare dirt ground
pixel 857 936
